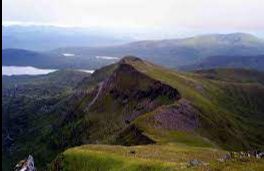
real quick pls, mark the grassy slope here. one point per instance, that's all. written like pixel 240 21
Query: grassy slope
pixel 224 123
pixel 219 117
pixel 47 133
pixel 148 157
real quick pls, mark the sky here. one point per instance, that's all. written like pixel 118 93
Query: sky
pixel 168 16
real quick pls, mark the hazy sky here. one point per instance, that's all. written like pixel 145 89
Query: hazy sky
pixel 207 15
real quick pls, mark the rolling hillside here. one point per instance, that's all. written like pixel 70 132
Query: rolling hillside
pixel 172 117
pixel 211 114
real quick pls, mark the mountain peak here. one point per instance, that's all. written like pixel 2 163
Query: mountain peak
pixel 128 59
pixel 241 34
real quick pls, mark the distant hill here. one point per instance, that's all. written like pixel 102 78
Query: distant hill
pixel 131 102
pixel 236 75
pixel 172 53
pixel 43 38
pixel 176 52
pixel 21 57
pixel 249 62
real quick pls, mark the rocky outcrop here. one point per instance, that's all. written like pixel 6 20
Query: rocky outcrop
pixel 182 117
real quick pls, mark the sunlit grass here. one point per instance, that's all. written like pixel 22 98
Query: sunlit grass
pixel 151 157
pixel 154 157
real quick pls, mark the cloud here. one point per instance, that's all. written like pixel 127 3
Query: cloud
pixel 196 14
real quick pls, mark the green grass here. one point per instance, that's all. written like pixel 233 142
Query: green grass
pixel 151 157
pixel 87 160
pixel 148 157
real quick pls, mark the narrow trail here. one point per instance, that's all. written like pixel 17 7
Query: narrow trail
pixel 97 95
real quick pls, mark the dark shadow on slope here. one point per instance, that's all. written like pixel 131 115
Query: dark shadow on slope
pixel 133 136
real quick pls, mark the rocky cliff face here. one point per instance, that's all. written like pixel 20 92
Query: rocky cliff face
pixel 121 98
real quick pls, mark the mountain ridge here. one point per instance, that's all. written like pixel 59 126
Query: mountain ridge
pixel 190 111
pixel 162 127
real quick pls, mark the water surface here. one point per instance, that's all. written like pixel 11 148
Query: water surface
pixel 24 70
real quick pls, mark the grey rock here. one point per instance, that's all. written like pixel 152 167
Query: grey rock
pixel 195 162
